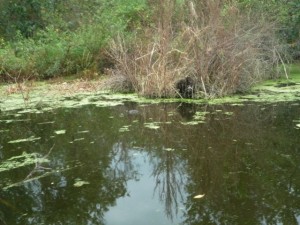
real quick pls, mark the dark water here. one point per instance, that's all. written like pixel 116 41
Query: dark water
pixel 110 168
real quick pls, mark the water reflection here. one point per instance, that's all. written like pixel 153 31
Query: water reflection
pixel 186 110
pixel 169 173
pixel 245 159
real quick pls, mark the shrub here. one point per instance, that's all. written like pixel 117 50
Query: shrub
pixel 72 40
pixel 15 62
pixel 52 53
pixel 287 16
pixel 218 49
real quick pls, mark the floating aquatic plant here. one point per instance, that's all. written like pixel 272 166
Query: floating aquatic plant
pixel 199 196
pixel 79 182
pixel 153 125
pixel 83 132
pixel 194 122
pixel 60 131
pixel 10 121
pixel 169 149
pixel 78 139
pixel 47 122
pixel 200 115
pixel 124 128
pixel 32 138
pixel 22 160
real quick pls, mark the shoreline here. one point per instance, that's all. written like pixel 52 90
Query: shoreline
pixel 46 95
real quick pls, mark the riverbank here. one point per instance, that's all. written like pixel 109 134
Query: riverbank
pixel 46 95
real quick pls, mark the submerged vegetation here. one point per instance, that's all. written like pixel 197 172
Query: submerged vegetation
pixel 156 48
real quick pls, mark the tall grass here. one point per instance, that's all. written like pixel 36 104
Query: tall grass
pixel 211 43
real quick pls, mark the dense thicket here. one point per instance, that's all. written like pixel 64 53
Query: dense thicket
pixel 158 48
pixel 44 39
pixel 287 15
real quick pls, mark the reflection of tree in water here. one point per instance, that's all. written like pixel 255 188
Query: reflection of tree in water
pixel 251 180
pixel 54 199
pixel 168 166
pixel 51 198
pixel 122 165
pixel 169 173
pixel 247 169
pixel 44 201
pixel 245 162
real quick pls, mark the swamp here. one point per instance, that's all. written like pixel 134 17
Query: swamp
pixel 120 159
pixel 149 112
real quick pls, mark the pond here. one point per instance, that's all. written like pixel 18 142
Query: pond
pixel 151 164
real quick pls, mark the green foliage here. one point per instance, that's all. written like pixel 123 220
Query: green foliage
pixel 52 53
pixel 13 58
pixel 287 15
pixel 68 36
pixel 291 29
pixel 18 15
pixel 49 38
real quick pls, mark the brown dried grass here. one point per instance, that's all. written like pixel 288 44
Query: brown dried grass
pixel 222 50
pixel 75 86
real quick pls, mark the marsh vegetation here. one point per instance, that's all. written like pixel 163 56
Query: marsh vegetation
pixel 156 48
pixel 74 152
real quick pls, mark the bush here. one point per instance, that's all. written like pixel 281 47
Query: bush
pixel 287 16
pixel 15 60
pixel 52 53
pixel 216 48
pixel 73 41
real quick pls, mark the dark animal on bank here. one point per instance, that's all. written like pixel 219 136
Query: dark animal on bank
pixel 186 87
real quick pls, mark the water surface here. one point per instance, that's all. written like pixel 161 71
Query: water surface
pixel 144 164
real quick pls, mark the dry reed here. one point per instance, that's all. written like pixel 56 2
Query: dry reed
pixel 221 50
